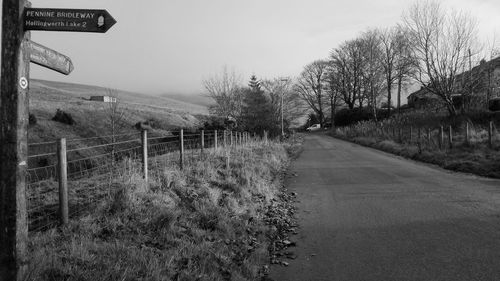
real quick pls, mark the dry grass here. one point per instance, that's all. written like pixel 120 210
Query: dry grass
pixel 473 156
pixel 92 117
pixel 475 159
pixel 202 223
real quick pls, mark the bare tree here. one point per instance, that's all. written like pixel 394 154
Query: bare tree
pixel 334 91
pixel 348 62
pixel 115 113
pixel 491 52
pixel 493 82
pixel 388 58
pixel 282 97
pixel 116 118
pixel 441 40
pixel 357 71
pixel 372 74
pixel 406 62
pixel 310 85
pixel 226 90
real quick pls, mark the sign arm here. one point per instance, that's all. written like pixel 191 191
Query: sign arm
pixel 49 58
pixel 72 20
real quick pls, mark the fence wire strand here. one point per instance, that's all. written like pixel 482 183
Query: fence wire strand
pixel 94 165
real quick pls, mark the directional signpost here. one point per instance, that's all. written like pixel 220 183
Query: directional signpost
pixel 49 58
pixel 68 20
pixel 17 52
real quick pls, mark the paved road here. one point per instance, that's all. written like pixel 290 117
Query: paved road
pixel 367 215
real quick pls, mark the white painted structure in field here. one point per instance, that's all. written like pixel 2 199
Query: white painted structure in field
pixel 103 98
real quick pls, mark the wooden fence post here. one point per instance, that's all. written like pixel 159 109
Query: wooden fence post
pixel 224 138
pixel 202 140
pixel 231 138
pixel 490 134
pixel 62 175
pixel 144 141
pixel 467 133
pixel 400 134
pixel 450 137
pixel 14 105
pixel 215 139
pixel 419 139
pixel 441 137
pixel 181 149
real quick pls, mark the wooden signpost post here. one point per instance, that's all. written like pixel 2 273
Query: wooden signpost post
pixel 13 142
pixel 17 52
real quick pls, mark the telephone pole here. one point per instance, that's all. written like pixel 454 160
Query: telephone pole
pixel 285 81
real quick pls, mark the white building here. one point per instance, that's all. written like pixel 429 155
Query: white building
pixel 103 98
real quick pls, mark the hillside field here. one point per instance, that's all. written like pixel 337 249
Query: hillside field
pixel 93 118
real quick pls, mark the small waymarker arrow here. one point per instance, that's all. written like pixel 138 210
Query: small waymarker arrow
pixel 72 20
pixel 49 58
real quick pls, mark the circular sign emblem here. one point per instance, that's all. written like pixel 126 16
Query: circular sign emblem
pixel 23 82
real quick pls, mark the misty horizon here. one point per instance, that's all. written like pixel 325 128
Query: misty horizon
pixel 169 48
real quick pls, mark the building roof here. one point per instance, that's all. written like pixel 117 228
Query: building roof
pixel 422 92
pixel 478 76
pixel 464 77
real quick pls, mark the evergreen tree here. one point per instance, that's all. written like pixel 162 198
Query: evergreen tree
pixel 257 113
pixel 254 84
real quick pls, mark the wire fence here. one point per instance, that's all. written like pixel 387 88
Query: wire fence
pixel 85 168
pixel 430 138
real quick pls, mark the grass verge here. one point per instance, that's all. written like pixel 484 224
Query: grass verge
pixel 205 222
pixel 474 159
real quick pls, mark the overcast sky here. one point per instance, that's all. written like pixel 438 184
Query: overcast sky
pixel 160 46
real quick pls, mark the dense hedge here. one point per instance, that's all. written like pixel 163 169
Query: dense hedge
pixel 494 104
pixel 32 119
pixel 63 117
pixel 346 116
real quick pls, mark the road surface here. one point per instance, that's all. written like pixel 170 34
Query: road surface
pixel 368 215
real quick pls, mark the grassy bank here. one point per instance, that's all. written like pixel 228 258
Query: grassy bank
pixel 475 158
pixel 202 223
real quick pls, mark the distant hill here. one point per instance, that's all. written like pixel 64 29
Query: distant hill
pixel 198 99
pixel 85 91
pixel 92 117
